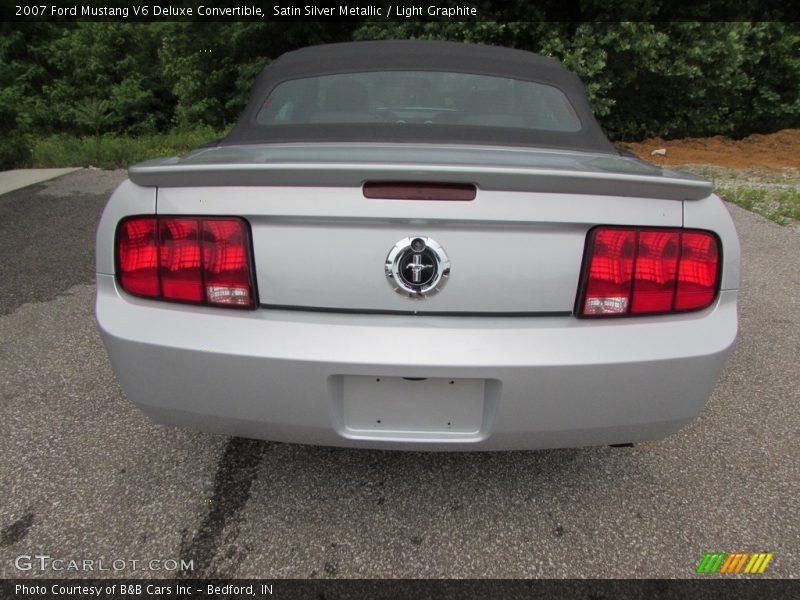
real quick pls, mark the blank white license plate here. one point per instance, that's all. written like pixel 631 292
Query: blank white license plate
pixel 396 404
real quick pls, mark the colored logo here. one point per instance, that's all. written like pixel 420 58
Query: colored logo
pixel 732 563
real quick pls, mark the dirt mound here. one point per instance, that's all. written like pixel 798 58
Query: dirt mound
pixel 772 151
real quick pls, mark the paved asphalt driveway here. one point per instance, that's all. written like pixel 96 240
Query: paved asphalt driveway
pixel 85 476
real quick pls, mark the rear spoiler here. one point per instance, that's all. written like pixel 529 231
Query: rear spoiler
pixel 489 169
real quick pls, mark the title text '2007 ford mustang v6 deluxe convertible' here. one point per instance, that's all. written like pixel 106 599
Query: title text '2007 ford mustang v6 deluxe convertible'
pixel 417 245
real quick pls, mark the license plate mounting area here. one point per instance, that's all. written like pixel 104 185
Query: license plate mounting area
pixel 412 406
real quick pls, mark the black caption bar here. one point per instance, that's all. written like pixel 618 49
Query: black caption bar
pixel 388 589
pixel 388 11
pixel 243 10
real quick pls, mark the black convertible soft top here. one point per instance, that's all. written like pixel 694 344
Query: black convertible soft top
pixel 415 55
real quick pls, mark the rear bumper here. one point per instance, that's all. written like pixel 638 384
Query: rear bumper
pixel 288 376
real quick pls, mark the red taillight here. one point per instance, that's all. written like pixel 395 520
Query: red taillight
pixel 202 260
pixel 698 272
pixel 226 263
pixel 647 271
pixel 179 260
pixel 137 255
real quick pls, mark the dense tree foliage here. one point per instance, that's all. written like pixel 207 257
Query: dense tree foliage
pixel 663 79
pixel 14 150
pixel 153 75
pixel 643 78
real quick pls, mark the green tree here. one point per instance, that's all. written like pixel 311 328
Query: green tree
pixel 14 151
pixel 643 78
pixel 656 78
pixel 114 61
pixel 211 66
pixel 96 116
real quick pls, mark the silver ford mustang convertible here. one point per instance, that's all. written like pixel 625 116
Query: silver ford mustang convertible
pixel 417 245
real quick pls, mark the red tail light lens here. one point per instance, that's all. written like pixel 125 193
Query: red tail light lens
pixel 179 264
pixel 698 272
pixel 656 267
pixel 201 260
pixel 646 271
pixel 610 272
pixel 137 256
pixel 226 265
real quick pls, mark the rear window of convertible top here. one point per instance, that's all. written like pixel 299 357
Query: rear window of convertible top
pixel 419 97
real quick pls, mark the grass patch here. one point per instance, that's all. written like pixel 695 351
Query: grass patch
pixel 116 152
pixel 781 205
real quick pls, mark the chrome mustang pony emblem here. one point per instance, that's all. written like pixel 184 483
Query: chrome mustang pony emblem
pixel 417 267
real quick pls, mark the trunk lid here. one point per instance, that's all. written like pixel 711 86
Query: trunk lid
pixel 517 248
